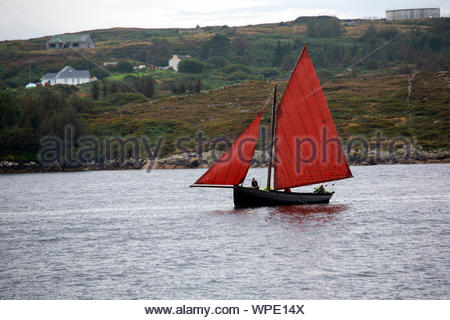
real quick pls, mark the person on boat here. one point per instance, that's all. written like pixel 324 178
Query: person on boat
pixel 255 184
pixel 287 190
pixel 320 189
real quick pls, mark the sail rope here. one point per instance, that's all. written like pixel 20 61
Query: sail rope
pixel 349 68
pixel 269 98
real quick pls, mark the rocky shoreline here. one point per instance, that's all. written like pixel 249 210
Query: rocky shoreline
pixel 192 160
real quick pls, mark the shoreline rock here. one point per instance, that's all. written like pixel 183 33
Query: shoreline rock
pixel 207 159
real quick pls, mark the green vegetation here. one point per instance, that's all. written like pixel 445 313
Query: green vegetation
pixel 322 27
pixel 334 46
pixel 227 81
pixel 31 115
pixel 191 66
pixel 217 46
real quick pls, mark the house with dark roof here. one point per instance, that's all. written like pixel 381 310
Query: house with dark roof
pixel 67 75
pixel 75 41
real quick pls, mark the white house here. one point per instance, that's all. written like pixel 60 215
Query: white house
pixel 176 58
pixel 67 75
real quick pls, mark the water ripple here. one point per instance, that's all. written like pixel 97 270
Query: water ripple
pixel 132 235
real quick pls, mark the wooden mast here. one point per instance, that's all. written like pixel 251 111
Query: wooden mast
pixel 272 133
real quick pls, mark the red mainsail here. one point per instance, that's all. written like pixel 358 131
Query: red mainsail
pixel 307 147
pixel 232 167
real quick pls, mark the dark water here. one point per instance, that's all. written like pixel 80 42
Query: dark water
pixel 129 234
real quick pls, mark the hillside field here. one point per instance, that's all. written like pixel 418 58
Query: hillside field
pixel 365 69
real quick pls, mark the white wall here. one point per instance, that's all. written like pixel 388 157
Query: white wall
pixel 69 81
pixel 174 63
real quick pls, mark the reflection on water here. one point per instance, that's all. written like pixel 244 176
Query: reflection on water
pixel 294 214
pixel 311 214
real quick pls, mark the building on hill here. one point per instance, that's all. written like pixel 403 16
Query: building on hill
pixel 75 41
pixel 176 59
pixel 199 29
pixel 67 75
pixel 110 63
pixel 409 14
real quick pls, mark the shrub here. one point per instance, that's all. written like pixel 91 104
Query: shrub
pixel 235 68
pixel 191 66
pixel 123 98
pixel 95 90
pixel 124 66
pixel 270 73
pixel 218 62
pixel 219 45
pixel 238 75
pixel 100 73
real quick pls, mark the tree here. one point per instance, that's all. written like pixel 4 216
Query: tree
pixel 388 33
pixel 182 88
pixel 9 113
pixel 191 66
pixel 130 83
pixel 95 90
pixel 75 102
pixel 160 52
pixel 198 85
pixel 104 88
pixel 288 63
pixel 124 66
pixel 281 51
pixel 148 86
pixel 114 87
pixel 172 87
pixel 372 64
pixel 219 45
pixel 323 27
pixel 370 37
pixel 241 48
pixel 218 62
pixel 436 43
pixel 278 55
pixel 100 73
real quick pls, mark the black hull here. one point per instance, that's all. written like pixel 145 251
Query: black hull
pixel 246 197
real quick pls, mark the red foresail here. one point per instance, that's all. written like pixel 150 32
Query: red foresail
pixel 307 147
pixel 232 167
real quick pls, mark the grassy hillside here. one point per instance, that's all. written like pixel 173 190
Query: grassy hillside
pixel 269 49
pixel 360 106
pixel 239 67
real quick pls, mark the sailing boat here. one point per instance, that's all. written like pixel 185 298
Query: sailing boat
pixel 306 147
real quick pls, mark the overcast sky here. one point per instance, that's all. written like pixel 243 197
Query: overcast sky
pixel 23 19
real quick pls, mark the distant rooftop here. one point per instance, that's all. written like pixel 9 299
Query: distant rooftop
pixel 418 8
pixel 69 38
pixel 183 57
pixel 67 72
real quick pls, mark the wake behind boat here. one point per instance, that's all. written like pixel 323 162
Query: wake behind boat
pixel 307 149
